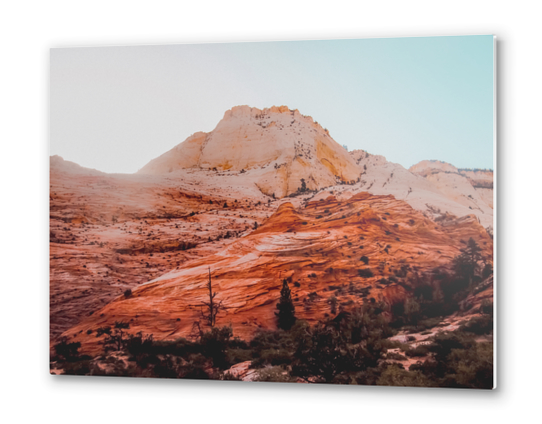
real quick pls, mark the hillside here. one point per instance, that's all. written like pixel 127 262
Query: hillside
pixel 317 247
pixel 114 232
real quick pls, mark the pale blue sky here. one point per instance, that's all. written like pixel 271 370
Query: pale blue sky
pixel 409 99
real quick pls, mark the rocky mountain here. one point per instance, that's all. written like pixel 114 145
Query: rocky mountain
pixel 233 200
pixel 273 149
pixel 277 147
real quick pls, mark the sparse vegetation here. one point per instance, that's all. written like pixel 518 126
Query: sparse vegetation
pixel 365 273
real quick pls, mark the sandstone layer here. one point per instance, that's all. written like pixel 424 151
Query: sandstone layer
pixel 230 200
pixel 318 248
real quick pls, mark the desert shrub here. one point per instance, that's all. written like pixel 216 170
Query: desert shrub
pixel 444 342
pixel 458 362
pixel 179 347
pixel 396 375
pixel 272 357
pixel 367 377
pixel 67 351
pixel 472 368
pixel 420 350
pixel 276 374
pixel 423 292
pixel 479 325
pixel 167 368
pixel 277 340
pixel 395 356
pixel 350 343
pixel 313 296
pixel 412 311
pixel 320 354
pixel 138 345
pixel 227 376
pixel 365 273
pixel 115 337
pixel 77 368
pixel 128 293
pixel 364 259
pixel 429 323
pixel 214 344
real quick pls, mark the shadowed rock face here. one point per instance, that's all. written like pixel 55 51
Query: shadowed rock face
pixel 317 247
pixel 281 144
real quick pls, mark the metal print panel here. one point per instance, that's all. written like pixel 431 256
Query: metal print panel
pixel 303 212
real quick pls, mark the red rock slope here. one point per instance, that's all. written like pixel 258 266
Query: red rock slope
pixel 317 247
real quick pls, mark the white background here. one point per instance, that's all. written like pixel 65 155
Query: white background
pixel 29 29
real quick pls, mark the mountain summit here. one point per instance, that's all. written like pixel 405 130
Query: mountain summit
pixel 276 146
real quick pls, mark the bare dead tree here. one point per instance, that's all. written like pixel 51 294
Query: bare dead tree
pixel 212 306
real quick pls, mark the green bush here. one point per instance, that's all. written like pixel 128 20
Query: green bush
pixel 396 375
pixel 420 350
pixel 479 325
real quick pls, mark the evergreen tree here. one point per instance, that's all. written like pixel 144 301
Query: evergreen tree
pixel 466 264
pixel 303 188
pixel 286 310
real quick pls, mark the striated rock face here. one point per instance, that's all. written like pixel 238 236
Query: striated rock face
pixel 208 203
pixel 276 146
pixel 111 233
pixel 318 247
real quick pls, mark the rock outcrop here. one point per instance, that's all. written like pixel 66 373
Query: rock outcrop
pixel 275 147
pixel 470 188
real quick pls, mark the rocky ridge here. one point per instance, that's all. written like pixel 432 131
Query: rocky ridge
pixel 276 147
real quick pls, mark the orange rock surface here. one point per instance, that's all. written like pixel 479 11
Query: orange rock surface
pixel 110 233
pixel 317 246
